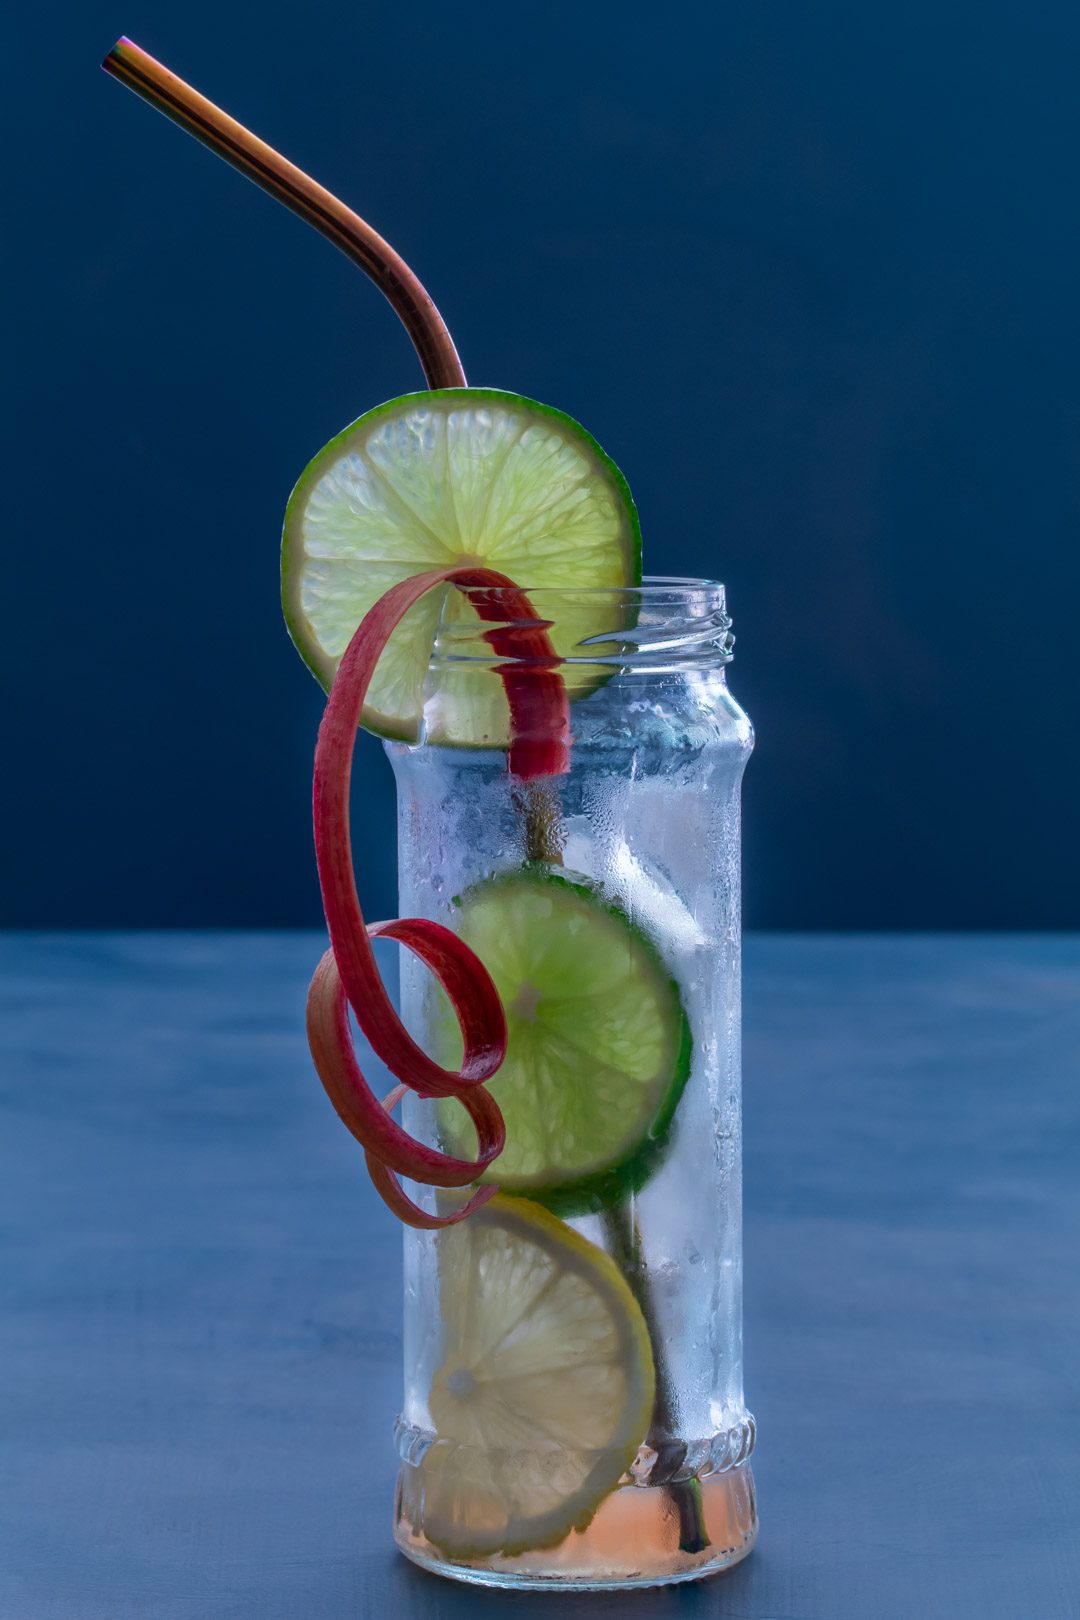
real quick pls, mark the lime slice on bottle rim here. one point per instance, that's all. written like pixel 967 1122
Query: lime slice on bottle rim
pixel 472 476
pixel 546 1386
pixel 598 1048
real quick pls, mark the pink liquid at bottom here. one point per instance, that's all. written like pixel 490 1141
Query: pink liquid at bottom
pixel 632 1541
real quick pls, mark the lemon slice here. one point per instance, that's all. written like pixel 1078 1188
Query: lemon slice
pixel 469 476
pixel 546 1387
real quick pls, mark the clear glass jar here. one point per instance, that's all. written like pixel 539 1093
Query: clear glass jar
pixel 647 822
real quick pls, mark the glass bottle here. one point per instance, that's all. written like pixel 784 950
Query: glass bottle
pixel 646 822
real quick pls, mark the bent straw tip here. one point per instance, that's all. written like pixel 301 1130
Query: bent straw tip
pixel 120 50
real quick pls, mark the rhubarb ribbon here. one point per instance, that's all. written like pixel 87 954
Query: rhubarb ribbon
pixel 348 976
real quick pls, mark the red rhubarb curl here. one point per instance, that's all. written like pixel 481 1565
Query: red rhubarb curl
pixel 348 975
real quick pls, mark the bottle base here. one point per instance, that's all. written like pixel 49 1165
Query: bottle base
pixel 632 1541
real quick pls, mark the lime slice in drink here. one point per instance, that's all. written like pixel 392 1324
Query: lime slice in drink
pixel 455 476
pixel 599 1044
pixel 545 1390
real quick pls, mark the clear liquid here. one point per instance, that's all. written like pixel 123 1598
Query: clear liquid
pixel 657 827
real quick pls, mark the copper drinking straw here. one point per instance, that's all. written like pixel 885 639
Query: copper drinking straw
pixel 291 186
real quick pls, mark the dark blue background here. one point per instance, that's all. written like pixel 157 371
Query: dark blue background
pixel 809 273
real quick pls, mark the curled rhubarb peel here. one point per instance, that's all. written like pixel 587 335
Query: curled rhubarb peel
pixel 389 1188
pixel 369 1120
pixel 348 975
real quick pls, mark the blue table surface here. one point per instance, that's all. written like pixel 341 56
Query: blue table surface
pixel 200 1339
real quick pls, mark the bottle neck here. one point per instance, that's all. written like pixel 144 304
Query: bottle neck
pixel 659 626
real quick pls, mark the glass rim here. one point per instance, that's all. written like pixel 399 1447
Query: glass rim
pixel 669 617
pixel 655 587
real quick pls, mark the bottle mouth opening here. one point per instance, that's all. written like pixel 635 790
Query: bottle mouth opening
pixel 664 622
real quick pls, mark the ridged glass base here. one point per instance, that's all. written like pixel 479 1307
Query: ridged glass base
pixel 632 1541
